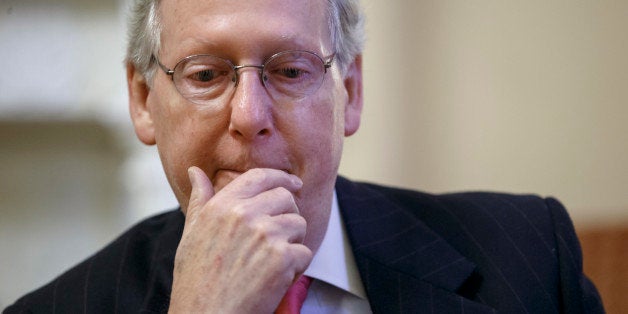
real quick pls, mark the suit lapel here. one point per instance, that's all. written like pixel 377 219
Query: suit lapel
pixel 404 265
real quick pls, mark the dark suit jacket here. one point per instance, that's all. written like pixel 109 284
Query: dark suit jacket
pixel 416 253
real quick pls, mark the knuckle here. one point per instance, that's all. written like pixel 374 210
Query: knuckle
pixel 307 254
pixel 300 221
pixel 240 213
pixel 261 232
pixel 282 193
pixel 279 252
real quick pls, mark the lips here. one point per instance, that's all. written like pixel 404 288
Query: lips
pixel 230 174
pixel 222 177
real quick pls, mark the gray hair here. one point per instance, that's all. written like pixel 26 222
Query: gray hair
pixel 346 25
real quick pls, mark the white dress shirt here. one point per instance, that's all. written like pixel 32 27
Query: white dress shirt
pixel 337 287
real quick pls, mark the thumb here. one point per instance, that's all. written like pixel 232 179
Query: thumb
pixel 202 190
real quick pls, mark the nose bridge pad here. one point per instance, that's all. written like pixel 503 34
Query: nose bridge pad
pixel 260 73
pixel 261 78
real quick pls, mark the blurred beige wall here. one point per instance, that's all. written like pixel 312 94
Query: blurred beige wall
pixel 521 96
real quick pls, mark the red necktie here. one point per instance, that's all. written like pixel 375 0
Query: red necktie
pixel 295 296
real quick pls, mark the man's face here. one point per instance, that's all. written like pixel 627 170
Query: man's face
pixel 249 130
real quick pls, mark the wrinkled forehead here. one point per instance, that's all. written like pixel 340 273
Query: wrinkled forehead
pixel 190 26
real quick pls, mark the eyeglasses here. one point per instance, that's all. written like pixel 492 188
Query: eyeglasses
pixel 287 76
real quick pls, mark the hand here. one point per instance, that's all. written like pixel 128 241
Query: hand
pixel 241 248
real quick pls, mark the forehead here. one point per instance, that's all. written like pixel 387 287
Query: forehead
pixel 243 27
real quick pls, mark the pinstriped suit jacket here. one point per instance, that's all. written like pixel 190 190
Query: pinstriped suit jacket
pixel 416 253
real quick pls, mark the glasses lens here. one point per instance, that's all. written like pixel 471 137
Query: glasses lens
pixel 293 74
pixel 203 78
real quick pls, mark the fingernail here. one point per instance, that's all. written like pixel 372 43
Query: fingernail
pixel 192 176
pixel 297 181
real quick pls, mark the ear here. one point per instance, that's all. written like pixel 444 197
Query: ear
pixel 138 108
pixel 353 85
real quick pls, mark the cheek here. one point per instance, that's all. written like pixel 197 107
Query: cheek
pixel 183 136
pixel 173 146
pixel 322 133
pixel 180 126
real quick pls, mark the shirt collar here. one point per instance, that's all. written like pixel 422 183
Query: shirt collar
pixel 335 251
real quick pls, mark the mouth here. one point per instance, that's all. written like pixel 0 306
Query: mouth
pixel 224 176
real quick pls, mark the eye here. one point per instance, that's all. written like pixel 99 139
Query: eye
pixel 203 76
pixel 290 72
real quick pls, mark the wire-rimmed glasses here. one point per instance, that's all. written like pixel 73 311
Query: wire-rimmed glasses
pixel 287 76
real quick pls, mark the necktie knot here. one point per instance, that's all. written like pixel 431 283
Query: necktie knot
pixel 295 296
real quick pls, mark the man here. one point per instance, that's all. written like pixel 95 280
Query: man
pixel 248 103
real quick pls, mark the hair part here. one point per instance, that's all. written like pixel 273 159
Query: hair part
pixel 346 26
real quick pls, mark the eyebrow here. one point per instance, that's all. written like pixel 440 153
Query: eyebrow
pixel 270 46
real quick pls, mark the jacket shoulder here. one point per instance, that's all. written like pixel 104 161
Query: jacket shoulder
pixel 123 276
pixel 524 246
pixel 469 209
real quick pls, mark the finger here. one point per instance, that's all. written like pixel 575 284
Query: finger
pixel 287 228
pixel 258 180
pixel 274 202
pixel 293 227
pixel 202 190
pixel 301 258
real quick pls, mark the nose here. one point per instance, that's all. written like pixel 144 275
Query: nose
pixel 251 107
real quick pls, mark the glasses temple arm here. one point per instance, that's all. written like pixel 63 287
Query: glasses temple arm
pixel 163 67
